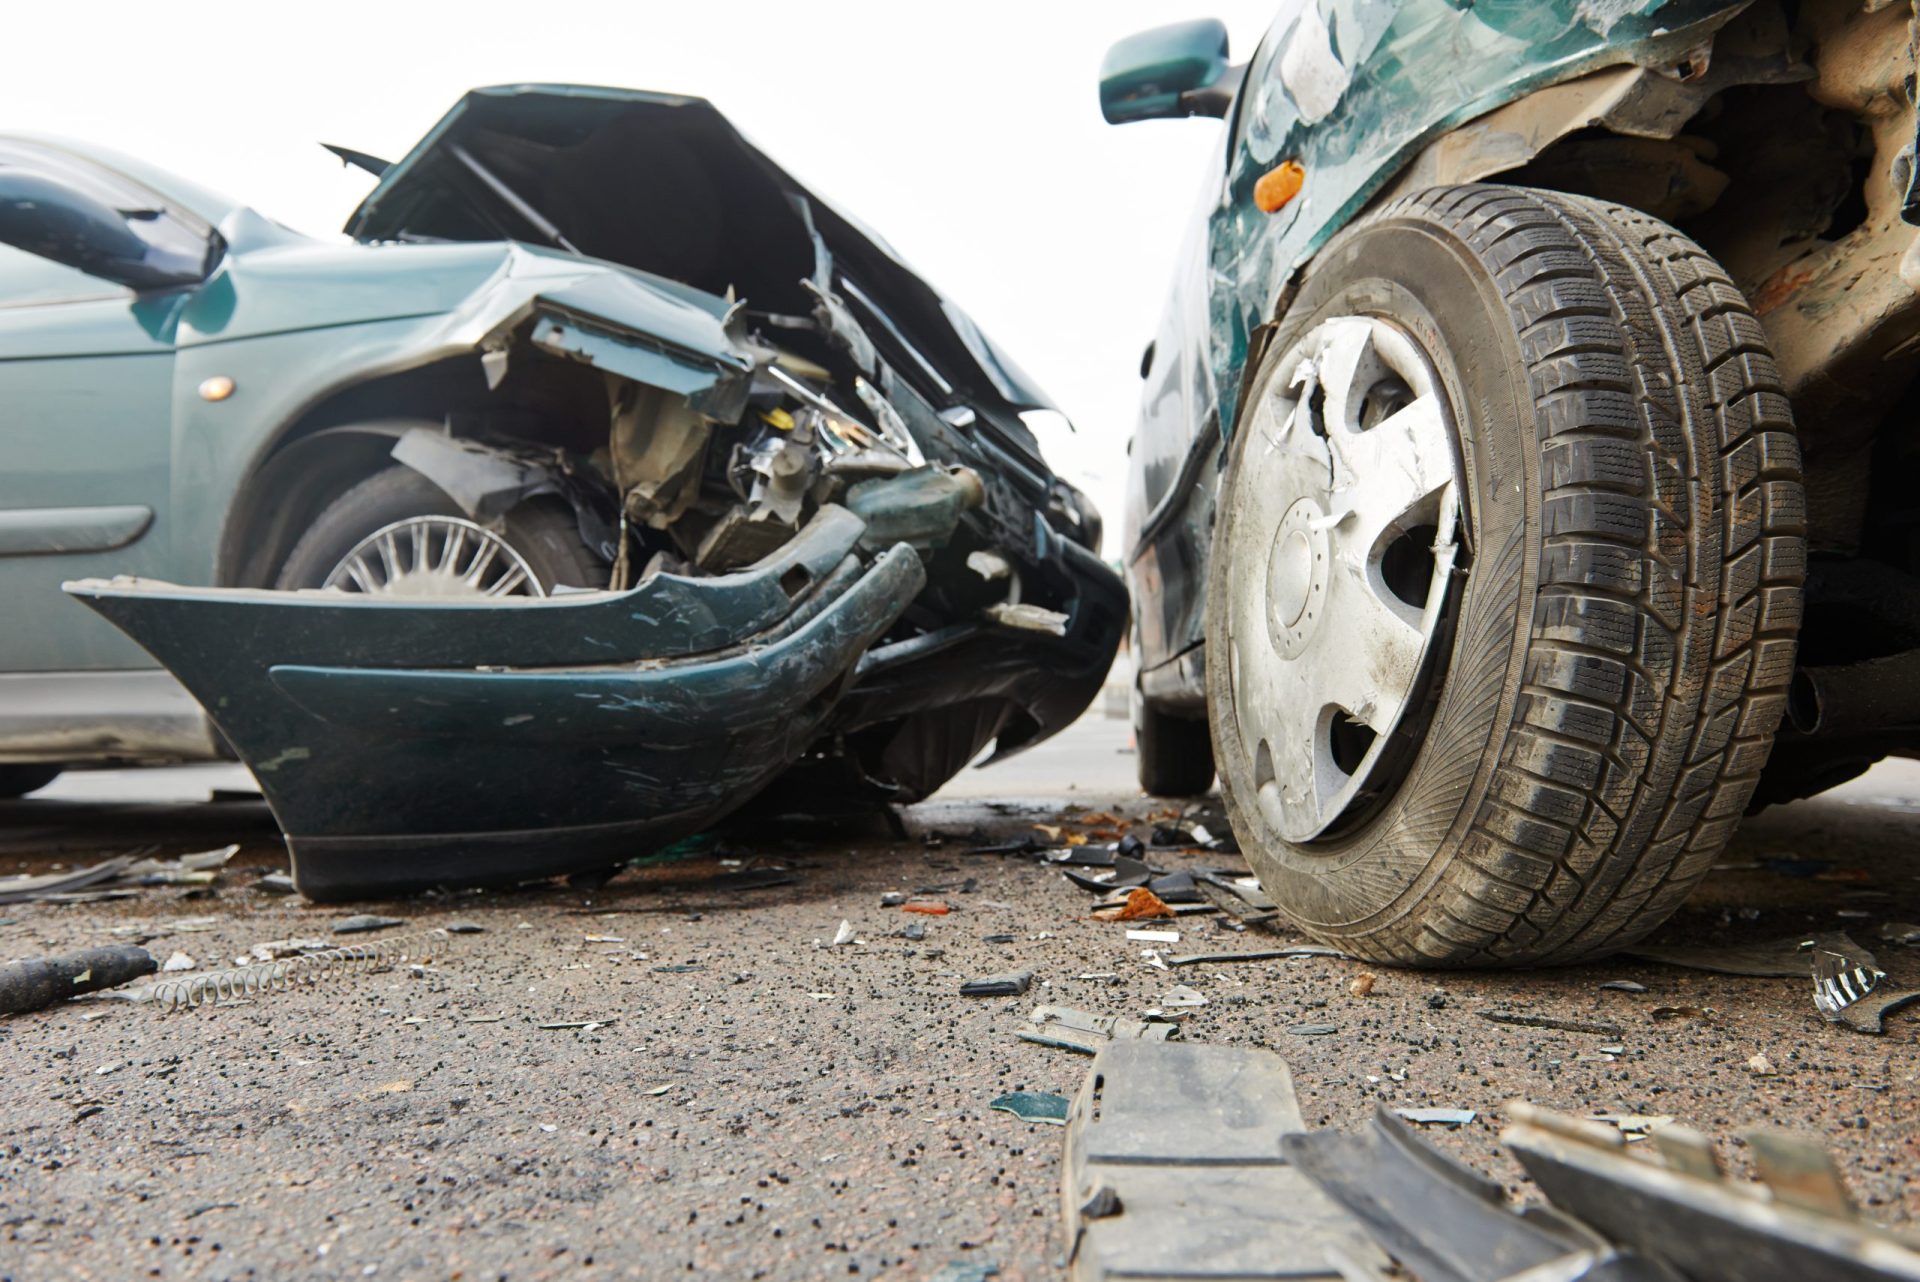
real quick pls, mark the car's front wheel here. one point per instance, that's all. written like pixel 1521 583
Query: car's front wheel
pixel 398 534
pixel 1505 582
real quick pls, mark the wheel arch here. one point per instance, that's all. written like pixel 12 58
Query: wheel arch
pixel 348 432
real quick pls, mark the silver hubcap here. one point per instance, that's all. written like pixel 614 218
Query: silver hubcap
pixel 434 556
pixel 1343 540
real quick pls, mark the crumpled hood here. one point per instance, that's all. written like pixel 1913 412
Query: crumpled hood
pixel 664 183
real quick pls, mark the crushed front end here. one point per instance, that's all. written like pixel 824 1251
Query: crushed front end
pixel 837 566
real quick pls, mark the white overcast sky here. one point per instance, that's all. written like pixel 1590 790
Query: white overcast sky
pixel 967 134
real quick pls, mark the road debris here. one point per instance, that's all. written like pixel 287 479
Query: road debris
pixel 1783 958
pixel 1012 984
pixel 844 935
pixel 40 982
pixel 1034 1106
pixel 582 1025
pixel 1257 954
pixel 1527 1019
pixel 1437 1116
pixel 1171 1172
pixel 178 962
pixel 1314 1030
pixel 1155 936
pixel 1679 1210
pixel 1759 1065
pixel 1180 997
pixel 1141 905
pixel 1850 988
pixel 361 923
pixel 115 878
pixel 1624 986
pixel 1068 1029
pixel 275 949
pixel 1633 1125
pixel 930 909
pixel 1663 1013
pixel 280 975
pixel 1362 984
pixel 1904 933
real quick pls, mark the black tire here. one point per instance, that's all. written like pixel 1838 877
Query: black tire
pixel 1174 755
pixel 542 530
pixel 18 781
pixel 1623 634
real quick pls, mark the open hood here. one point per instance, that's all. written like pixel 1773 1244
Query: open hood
pixel 666 184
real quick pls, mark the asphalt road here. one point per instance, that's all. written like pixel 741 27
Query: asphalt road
pixel 746 1099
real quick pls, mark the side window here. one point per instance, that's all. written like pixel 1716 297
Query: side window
pixel 27 279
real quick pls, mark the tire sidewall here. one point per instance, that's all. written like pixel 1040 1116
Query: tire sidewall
pixel 1360 882
pixel 541 530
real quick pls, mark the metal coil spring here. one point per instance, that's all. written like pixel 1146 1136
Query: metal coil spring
pixel 307 968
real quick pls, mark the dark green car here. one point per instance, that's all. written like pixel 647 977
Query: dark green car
pixel 617 479
pixel 1523 482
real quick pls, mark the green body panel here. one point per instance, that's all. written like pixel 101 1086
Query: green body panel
pixel 405 743
pixel 1390 75
pixel 102 404
pixel 1351 90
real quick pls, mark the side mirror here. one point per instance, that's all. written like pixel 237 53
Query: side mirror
pixel 1168 72
pixel 59 221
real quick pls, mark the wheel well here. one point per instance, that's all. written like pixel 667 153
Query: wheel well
pixel 347 437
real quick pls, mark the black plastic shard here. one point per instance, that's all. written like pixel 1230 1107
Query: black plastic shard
pixel 1009 985
pixel 1443 1221
pixel 1685 1213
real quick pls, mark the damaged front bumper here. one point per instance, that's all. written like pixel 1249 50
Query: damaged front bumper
pixel 404 743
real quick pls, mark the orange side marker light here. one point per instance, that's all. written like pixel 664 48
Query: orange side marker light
pixel 1279 186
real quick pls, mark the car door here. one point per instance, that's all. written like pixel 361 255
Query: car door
pixel 86 389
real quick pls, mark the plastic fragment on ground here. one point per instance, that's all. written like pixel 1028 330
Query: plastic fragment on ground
pixel 1174 1170
pixel 1682 1211
pixel 1783 958
pixel 1850 988
pixel 1142 905
pixel 1257 954
pixel 1034 1106
pixel 1437 1116
pixel 1442 1221
pixel 364 922
pixel 1085 1033
pixel 1012 984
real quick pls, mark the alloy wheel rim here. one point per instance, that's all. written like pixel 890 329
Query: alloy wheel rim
pixel 434 556
pixel 1345 526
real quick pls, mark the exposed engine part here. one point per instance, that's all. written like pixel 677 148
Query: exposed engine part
pixel 920 507
pixel 1029 618
pixel 990 565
